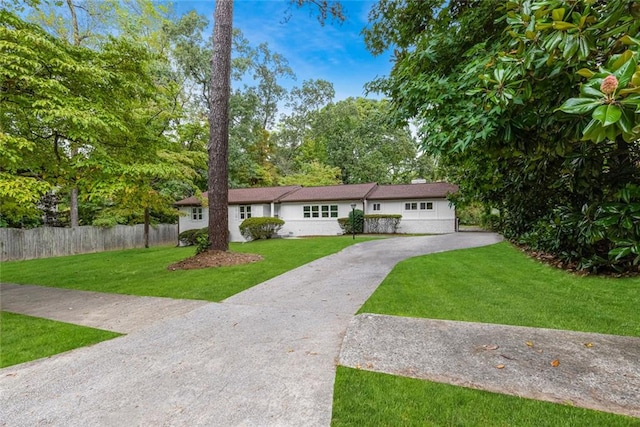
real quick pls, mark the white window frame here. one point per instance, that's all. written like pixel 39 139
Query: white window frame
pixel 414 206
pixel 319 211
pixel 196 214
pixel 244 211
pixel 376 207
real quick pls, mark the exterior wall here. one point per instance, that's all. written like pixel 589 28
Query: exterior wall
pixel 295 224
pixel 235 219
pixel 186 221
pixel 440 219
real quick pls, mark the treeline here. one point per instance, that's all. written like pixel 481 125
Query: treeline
pixel 103 117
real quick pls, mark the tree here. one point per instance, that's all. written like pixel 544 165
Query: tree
pixel 74 117
pixel 219 117
pixel 499 93
pixel 357 136
pixel 218 192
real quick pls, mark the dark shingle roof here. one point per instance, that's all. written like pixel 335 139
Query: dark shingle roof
pixel 246 195
pixel 431 190
pixel 296 193
pixel 332 192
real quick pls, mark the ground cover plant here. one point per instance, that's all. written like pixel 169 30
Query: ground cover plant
pixel 365 398
pixel 500 284
pixel 25 338
pixel 144 271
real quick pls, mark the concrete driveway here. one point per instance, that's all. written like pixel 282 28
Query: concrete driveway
pixel 265 356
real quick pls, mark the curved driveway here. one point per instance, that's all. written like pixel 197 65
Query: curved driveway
pixel 265 356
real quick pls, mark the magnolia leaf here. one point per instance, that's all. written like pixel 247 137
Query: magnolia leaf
pixel 625 71
pixel 589 90
pixel 579 105
pixel 607 114
pixel 585 72
pixel 558 14
pixel 628 40
pixel 619 60
pixel 562 26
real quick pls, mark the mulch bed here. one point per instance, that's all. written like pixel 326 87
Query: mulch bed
pixel 210 259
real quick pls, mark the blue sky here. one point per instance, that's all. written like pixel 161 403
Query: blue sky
pixel 335 52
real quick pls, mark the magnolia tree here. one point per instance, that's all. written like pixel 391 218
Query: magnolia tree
pixel 533 110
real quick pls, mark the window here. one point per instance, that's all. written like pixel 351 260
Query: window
pixel 320 211
pixel 196 214
pixel 376 206
pixel 245 212
pixel 413 206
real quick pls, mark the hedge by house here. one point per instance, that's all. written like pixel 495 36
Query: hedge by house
pixel 374 223
pixel 382 223
pixel 260 227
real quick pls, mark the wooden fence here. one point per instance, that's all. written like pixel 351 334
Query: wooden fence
pixel 44 242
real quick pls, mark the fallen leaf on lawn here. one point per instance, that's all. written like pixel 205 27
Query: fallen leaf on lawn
pixel 555 363
pixel 588 344
pixel 529 344
pixel 490 347
pixel 499 366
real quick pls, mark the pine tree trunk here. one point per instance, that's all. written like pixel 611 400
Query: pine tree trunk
pixel 220 90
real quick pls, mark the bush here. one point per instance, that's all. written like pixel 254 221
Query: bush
pixel 260 227
pixel 202 243
pixel 381 223
pixel 190 237
pixel 358 222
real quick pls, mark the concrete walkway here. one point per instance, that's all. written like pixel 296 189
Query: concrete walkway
pixel 265 356
pixel 111 312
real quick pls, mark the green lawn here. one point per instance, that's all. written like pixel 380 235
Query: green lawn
pixel 144 271
pixel 493 284
pixel 364 398
pixel 25 338
pixel 499 284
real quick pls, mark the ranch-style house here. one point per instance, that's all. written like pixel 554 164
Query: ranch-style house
pixel 314 211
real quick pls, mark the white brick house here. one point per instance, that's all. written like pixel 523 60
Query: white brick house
pixel 314 211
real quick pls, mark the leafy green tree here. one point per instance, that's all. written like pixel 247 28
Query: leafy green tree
pixel 511 96
pixel 357 136
pixel 313 174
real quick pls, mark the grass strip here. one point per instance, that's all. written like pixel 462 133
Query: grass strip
pixel 25 338
pixel 144 271
pixel 365 398
pixel 500 284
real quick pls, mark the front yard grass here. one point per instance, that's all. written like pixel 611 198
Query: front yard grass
pixel 493 284
pixel 365 398
pixel 500 284
pixel 144 271
pixel 25 338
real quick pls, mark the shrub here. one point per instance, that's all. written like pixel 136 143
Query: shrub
pixel 260 227
pixel 382 223
pixel 358 222
pixel 190 237
pixel 202 243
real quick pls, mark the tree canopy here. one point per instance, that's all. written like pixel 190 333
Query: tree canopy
pixel 533 107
